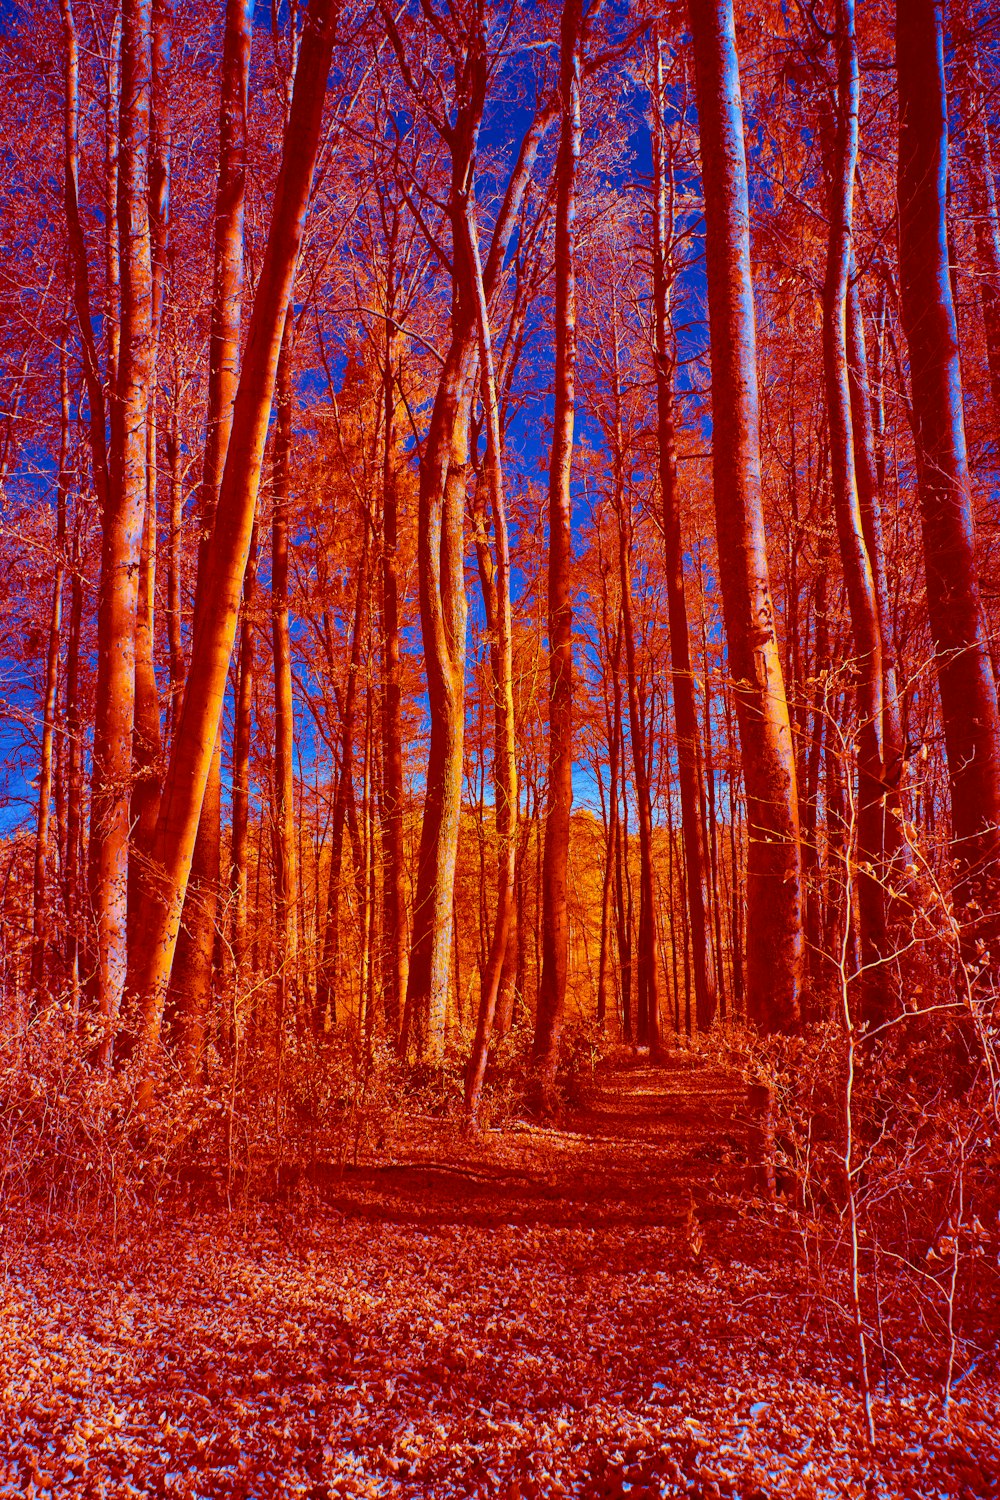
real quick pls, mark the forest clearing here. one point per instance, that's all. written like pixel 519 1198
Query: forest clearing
pixel 499 748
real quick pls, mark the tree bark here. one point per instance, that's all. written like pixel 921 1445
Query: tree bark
pixel 328 978
pixel 965 678
pixel 215 624
pixel 555 873
pixel 39 904
pixel 192 970
pixel 284 710
pixel 175 639
pixel 121 527
pixel 395 955
pixel 774 897
pixel 147 735
pixel 241 769
pixel 440 540
pixel 685 707
pixel 495 574
pixel 872 871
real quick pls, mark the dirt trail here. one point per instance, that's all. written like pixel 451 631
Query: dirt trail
pixel 583 1312
pixel 641 1144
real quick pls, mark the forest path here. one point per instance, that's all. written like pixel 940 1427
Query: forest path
pixel 643 1143
pixel 530 1314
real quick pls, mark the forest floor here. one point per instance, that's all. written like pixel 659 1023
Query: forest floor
pixel 595 1311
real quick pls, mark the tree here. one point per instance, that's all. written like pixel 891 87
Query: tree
pixel 555 912
pixel 964 673
pixel 858 574
pixel 774 896
pixel 215 623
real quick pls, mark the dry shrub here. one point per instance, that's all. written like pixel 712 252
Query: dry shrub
pixel 925 1184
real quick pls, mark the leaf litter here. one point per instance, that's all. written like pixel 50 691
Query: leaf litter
pixel 421 1345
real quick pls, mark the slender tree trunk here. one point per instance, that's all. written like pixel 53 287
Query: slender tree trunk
pixel 192 970
pixel 175 642
pixel 555 913
pixel 284 712
pixel 241 768
pixel 395 956
pixel 870 492
pixel 648 971
pixel 112 261
pixel 147 736
pixel 328 980
pixel 981 184
pixel 495 574
pixel 443 615
pixel 872 870
pixel 607 888
pixel 685 708
pixel 774 896
pixel 74 778
pixel 122 523
pixel 215 624
pixel 39 905
pixel 965 678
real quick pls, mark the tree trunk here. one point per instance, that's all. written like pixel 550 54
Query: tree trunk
pixel 147 735
pixel 121 527
pixel 774 897
pixel 495 574
pixel 39 905
pixel 443 616
pixel 192 976
pixel 685 707
pixel 965 678
pixel 328 979
pixel 284 711
pixel 241 770
pixel 215 624
pixel 555 914
pixel 74 778
pixel 871 869
pixel 395 956
pixel 175 642
pixel 981 187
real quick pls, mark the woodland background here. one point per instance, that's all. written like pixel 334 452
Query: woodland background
pixel 500 576
pixel 498 530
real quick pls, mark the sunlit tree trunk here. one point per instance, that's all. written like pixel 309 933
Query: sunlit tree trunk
pixel 241 768
pixel 40 898
pixel 555 914
pixel 112 263
pixel 395 955
pixel 215 622
pixel 774 897
pixel 328 977
pixel 74 779
pixel 284 711
pixel 175 639
pixel 495 574
pixel 444 471
pixel 443 616
pixel 858 574
pixel 649 978
pixel 192 975
pixel 965 678
pixel 83 959
pixel 121 533
pixel 147 738
pixel 685 707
